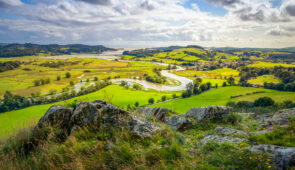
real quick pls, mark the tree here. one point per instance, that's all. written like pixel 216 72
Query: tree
pixel 231 81
pixel 57 78
pixel 71 83
pixel 264 101
pixel 68 75
pixel 164 98
pixel 174 96
pixel 95 78
pixel 189 86
pixel 197 82
pixel 224 84
pixel 136 104
pixel 151 101
pixel 36 82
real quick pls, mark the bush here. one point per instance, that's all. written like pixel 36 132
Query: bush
pixel 263 102
pixel 68 75
pixel 151 101
pixel 136 104
pixel 232 118
pixel 164 98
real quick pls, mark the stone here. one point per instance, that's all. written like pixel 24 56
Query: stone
pixel 57 116
pixel 222 139
pixel 207 113
pixel 279 118
pixel 229 131
pixel 159 113
pixel 142 128
pixel 179 122
pixel 282 157
pixel 85 113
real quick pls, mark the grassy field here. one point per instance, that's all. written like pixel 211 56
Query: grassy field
pixel 260 80
pixel 221 96
pixel 118 95
pixel 267 64
pixel 218 73
pixel 20 81
pixel 185 55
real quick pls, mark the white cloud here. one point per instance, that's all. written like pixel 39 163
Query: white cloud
pixel 153 22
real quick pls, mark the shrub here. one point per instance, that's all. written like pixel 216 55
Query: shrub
pixel 68 75
pixel 164 98
pixel 263 102
pixel 151 101
pixel 232 118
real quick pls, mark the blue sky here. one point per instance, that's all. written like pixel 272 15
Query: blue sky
pixel 146 23
pixel 207 7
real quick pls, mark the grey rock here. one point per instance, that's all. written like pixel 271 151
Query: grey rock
pixel 142 128
pixel 57 116
pixel 260 132
pixel 111 115
pixel 279 118
pixel 211 112
pixel 222 139
pixel 179 122
pixel 159 113
pixel 283 157
pixel 229 131
pixel 85 113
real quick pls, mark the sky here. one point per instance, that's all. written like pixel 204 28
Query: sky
pixel 150 23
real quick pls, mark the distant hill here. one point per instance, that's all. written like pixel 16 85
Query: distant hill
pixel 233 49
pixel 19 50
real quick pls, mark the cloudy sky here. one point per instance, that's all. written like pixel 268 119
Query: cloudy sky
pixel 146 23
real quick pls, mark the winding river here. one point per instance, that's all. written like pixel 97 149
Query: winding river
pixel 111 55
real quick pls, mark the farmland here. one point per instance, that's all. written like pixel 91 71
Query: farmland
pixel 268 64
pixel 222 95
pixel 260 80
pixel 120 96
pixel 21 80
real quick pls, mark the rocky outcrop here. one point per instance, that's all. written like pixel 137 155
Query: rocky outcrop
pixel 207 113
pixel 142 128
pixel 97 114
pixel 57 116
pixel 222 139
pixel 159 113
pixel 229 131
pixel 278 118
pixel 179 122
pixel 283 157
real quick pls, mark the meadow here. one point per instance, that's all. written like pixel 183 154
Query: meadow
pixel 20 80
pixel 260 80
pixel 115 94
pixel 269 65
pixel 218 73
pixel 221 96
pixel 184 56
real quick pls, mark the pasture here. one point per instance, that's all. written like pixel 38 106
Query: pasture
pixel 20 80
pixel 117 95
pixel 260 80
pixel 222 95
pixel 218 73
pixel 269 65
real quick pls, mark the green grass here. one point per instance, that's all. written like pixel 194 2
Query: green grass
pixel 20 82
pixel 280 136
pixel 267 64
pixel 118 95
pixel 260 80
pixel 222 95
pixel 218 73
